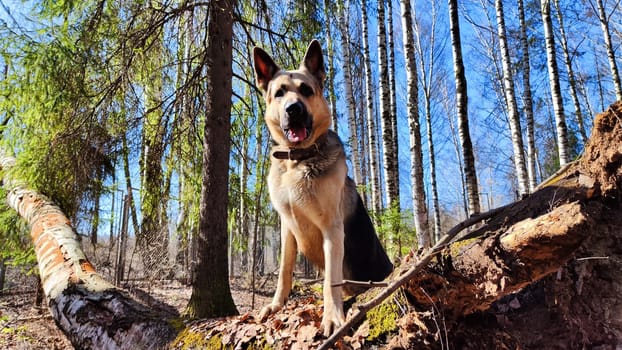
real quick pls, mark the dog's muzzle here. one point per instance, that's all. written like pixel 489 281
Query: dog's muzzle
pixel 297 123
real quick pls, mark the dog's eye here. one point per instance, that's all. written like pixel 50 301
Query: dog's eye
pixel 305 90
pixel 278 93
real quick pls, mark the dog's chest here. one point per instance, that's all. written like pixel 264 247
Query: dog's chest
pixel 293 184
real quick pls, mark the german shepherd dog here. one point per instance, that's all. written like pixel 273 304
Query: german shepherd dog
pixel 321 213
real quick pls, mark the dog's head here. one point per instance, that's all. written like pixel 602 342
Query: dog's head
pixel 296 111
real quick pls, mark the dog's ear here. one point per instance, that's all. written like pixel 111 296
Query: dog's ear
pixel 314 61
pixel 265 68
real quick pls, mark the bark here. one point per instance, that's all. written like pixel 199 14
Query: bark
pixel 572 82
pixel 211 295
pixel 128 181
pixel 374 173
pixel 426 77
pixel 558 103
pixel 512 105
pixel 527 99
pixel 392 102
pixel 468 158
pixel 96 206
pixel 91 312
pixel 416 154
pixel 330 76
pixel 347 80
pixel 388 154
pixel 613 66
pixel 2 274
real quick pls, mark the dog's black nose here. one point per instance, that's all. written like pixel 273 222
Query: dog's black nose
pixel 296 109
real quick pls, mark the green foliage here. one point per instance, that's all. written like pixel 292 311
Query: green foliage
pixel 62 143
pixel 551 156
pixel 396 231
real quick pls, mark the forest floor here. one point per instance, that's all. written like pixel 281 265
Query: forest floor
pixel 26 326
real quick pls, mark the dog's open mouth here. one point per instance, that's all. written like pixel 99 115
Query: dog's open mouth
pixel 297 134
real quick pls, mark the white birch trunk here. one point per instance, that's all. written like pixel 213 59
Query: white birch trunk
pixel 604 25
pixel 418 187
pixel 385 110
pixel 426 77
pixel 572 83
pixel 395 173
pixel 347 80
pixel 371 122
pixel 330 77
pixel 512 106
pixel 528 101
pixel 558 103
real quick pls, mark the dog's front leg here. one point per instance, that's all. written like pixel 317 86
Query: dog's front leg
pixel 333 261
pixel 286 271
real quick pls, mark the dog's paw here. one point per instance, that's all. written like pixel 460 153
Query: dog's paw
pixel 331 320
pixel 269 310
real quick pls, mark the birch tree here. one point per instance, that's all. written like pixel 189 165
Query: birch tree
pixel 330 76
pixel 558 103
pixel 427 67
pixel 374 174
pixel 416 154
pixel 527 99
pixel 342 23
pixel 603 17
pixel 512 106
pixel 385 112
pixel 393 103
pixel 572 82
pixel 470 172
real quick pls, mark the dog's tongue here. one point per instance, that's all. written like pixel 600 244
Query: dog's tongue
pixel 297 135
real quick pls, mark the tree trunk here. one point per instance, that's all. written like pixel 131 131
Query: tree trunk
pixel 572 83
pixel 416 154
pixel 468 158
pixel 558 103
pixel 512 106
pixel 386 117
pixel 374 173
pixel 427 69
pixel 604 25
pixel 2 274
pixel 91 312
pixel 330 54
pixel 393 103
pixel 211 296
pixel 347 81
pixel 128 183
pixel 527 99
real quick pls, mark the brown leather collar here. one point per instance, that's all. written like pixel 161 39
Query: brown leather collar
pixel 301 153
